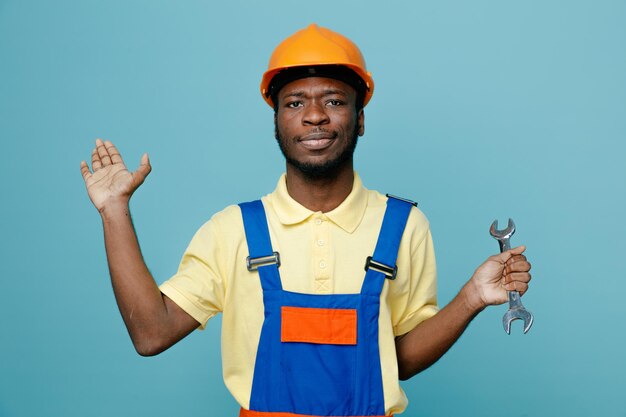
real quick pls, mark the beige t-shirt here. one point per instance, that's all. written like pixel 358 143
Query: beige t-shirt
pixel 321 253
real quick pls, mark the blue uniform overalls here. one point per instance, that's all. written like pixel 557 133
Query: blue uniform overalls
pixel 297 371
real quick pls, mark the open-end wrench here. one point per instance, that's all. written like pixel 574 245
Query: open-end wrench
pixel 516 308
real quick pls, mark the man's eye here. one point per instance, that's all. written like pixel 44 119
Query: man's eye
pixel 335 102
pixel 294 104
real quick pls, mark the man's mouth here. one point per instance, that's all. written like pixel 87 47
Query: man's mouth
pixel 317 141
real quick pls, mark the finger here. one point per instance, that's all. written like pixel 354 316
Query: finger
pixel 517 277
pixel 104 154
pixel 116 158
pixel 96 164
pixel 517 265
pixel 84 170
pixel 144 169
pixel 517 258
pixel 520 287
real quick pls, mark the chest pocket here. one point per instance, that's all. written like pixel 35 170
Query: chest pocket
pixel 329 326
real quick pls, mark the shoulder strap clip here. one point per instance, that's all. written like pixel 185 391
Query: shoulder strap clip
pixel 390 272
pixel 254 263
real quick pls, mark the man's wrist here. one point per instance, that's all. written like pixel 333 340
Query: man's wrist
pixel 114 209
pixel 472 297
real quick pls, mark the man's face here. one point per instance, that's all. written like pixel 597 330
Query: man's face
pixel 317 125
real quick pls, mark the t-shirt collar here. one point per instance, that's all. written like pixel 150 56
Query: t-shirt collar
pixel 347 215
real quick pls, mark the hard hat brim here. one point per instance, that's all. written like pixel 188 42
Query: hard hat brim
pixel 338 72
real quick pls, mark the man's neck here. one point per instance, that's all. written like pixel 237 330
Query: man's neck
pixel 320 194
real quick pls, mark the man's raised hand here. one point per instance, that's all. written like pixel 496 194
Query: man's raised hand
pixel 110 182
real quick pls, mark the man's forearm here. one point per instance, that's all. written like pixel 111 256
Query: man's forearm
pixel 138 297
pixel 432 338
pixel 154 322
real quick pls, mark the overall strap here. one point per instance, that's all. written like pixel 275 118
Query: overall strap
pixel 383 263
pixel 262 257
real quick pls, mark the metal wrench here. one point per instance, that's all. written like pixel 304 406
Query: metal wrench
pixel 516 308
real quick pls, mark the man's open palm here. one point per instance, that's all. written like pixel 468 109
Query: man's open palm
pixel 110 180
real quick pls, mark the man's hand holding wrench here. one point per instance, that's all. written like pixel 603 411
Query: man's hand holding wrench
pixel 516 308
pixel 504 277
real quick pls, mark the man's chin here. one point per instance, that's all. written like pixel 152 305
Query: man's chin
pixel 318 170
pixel 322 167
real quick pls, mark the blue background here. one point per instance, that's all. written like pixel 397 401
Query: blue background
pixel 483 110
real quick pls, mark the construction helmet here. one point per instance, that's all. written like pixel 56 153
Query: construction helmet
pixel 319 47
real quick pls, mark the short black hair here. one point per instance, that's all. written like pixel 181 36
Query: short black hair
pixel 337 72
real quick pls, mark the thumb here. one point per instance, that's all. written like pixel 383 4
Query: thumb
pixel 506 255
pixel 144 168
pixel 518 250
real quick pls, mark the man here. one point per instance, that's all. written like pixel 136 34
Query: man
pixel 305 330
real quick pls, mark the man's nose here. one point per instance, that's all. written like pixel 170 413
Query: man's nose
pixel 315 114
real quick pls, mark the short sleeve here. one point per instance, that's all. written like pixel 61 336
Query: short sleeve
pixel 198 287
pixel 417 300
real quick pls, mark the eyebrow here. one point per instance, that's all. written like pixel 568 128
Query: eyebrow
pixel 326 92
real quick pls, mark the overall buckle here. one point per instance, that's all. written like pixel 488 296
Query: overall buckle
pixel 254 263
pixel 389 271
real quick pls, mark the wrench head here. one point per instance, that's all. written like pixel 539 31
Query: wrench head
pixel 517 314
pixel 502 234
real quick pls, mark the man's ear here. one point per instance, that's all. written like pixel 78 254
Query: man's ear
pixel 361 122
pixel 276 124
